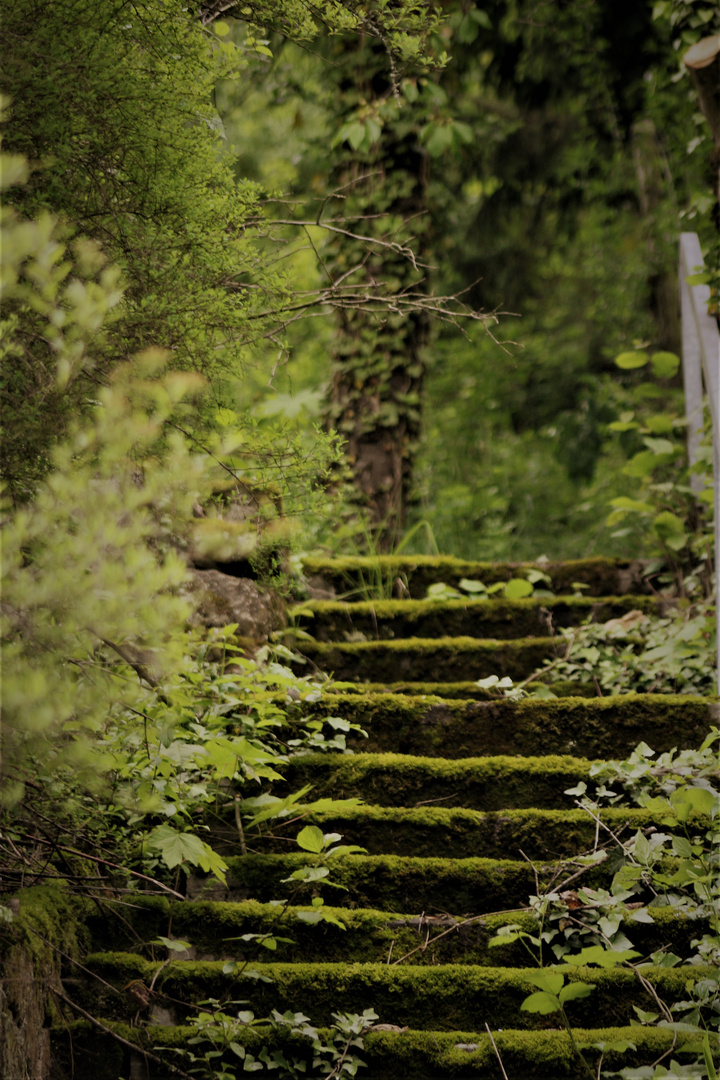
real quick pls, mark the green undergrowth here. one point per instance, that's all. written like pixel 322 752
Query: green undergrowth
pixel 598 727
pixel 441 997
pixel 328 620
pixel 486 783
pixel 364 576
pixel 422 658
pixel 412 1054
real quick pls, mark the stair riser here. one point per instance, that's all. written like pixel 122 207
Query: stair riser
pixel 441 998
pixel 500 619
pixel 391 883
pixel 449 660
pixel 596 728
pixel 412 1055
pixel 215 929
pixel 604 577
pixel 454 835
pixel 476 784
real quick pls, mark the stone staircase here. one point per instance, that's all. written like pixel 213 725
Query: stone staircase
pixel 463 818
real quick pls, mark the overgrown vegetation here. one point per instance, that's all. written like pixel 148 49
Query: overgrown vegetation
pixel 153 287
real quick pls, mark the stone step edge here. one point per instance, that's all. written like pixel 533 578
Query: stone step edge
pixel 597 727
pixel 472 886
pixel 447 831
pixel 449 658
pixel 328 577
pixel 214 930
pixel 486 618
pixel 454 994
pixel 412 1054
pixel 493 782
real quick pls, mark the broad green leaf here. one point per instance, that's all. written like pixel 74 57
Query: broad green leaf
pixel 699 799
pixel 551 981
pixel 575 990
pixel 629 360
pixel 470 586
pixel 664 364
pixel 517 588
pixel 311 839
pixel 541 1002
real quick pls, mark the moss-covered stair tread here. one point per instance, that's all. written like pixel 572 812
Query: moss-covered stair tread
pixel 328 620
pixel 598 727
pixel 459 798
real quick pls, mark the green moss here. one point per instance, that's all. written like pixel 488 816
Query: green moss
pixel 461 833
pixel 478 618
pixel 215 929
pixel 400 883
pixel 483 783
pixel 607 727
pixel 47 925
pixel 413 1055
pixel 368 577
pixel 442 997
pixel 424 658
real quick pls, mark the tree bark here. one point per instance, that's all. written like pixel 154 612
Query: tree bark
pixel 378 358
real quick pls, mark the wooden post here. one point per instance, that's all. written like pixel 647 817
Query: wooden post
pixel 703 63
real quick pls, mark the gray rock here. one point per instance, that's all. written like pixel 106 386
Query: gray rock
pixel 219 599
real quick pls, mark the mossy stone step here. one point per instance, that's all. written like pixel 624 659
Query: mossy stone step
pixel 440 659
pixel 329 620
pixel 403 576
pixel 484 783
pixel 214 931
pixel 455 833
pixel 598 727
pixel 458 690
pixel 396 883
pixel 444 997
pixel 87 1054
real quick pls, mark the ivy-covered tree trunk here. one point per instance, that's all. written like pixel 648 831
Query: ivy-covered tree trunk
pixel 378 360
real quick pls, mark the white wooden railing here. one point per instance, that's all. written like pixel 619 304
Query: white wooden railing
pixel 701 366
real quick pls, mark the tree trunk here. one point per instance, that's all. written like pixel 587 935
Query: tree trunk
pixel 378 363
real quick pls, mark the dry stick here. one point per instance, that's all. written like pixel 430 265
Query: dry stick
pixel 115 866
pixel 238 822
pixel 114 1035
pixel 497 1052
pixel 77 963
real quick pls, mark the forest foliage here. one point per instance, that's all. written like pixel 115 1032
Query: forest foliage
pixel 183 194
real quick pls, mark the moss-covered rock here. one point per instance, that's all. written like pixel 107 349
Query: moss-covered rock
pixel 388 1055
pixel 45 935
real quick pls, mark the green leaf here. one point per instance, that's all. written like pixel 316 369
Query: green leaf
pixel 575 990
pixel 517 588
pixel 551 981
pixel 664 364
pixel 629 360
pixel 541 1002
pixel 311 839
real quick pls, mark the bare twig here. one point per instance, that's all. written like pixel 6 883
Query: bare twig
pixel 497 1052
